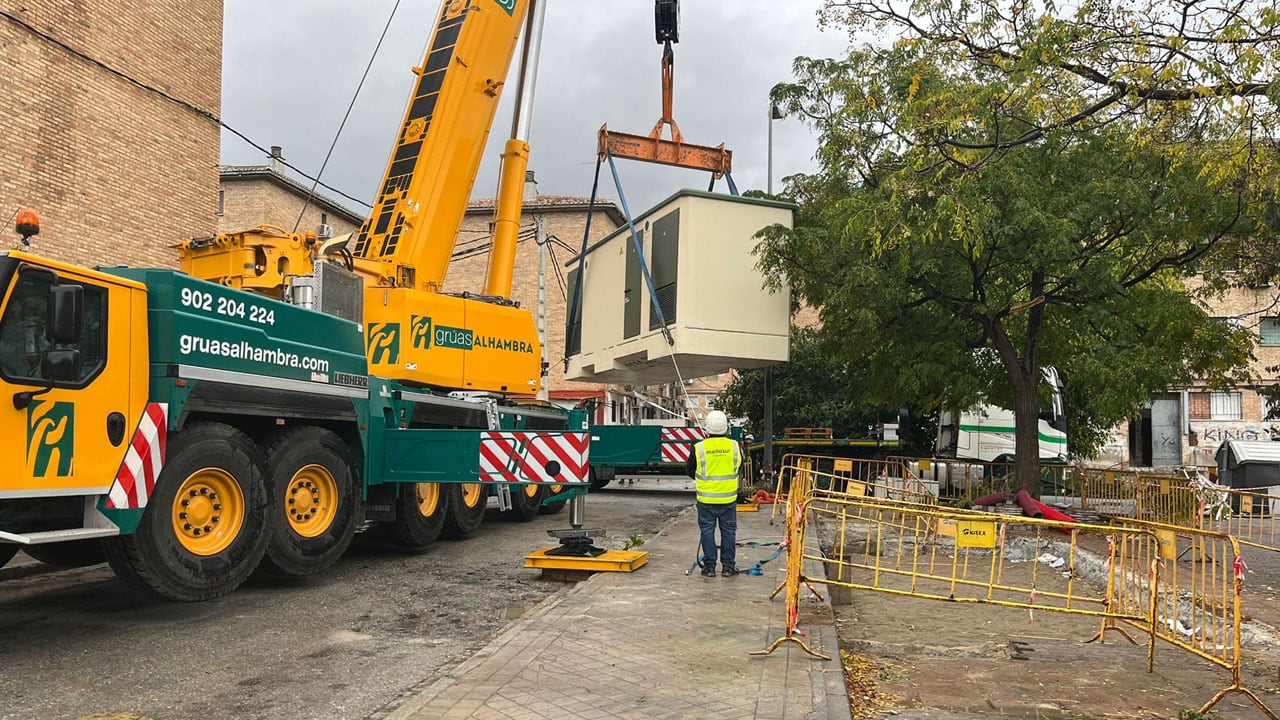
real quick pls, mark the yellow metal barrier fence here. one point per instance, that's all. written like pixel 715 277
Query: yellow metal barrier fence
pixel 961 556
pixel 854 477
pixel 1252 515
pixel 799 471
pixel 1200 575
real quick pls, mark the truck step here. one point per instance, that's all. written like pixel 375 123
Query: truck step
pixel 53 536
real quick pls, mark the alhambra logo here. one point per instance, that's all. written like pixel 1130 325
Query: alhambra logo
pixel 508 5
pixel 50 438
pixel 384 343
pixel 421 332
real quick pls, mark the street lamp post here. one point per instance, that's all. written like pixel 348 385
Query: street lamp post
pixel 775 113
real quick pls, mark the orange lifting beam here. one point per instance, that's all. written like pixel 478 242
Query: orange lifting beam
pixel 653 148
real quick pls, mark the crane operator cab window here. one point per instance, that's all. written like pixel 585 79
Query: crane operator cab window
pixel 25 334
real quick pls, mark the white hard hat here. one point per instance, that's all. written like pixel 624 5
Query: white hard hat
pixel 717 423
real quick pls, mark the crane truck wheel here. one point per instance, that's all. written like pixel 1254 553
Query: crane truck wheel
pixel 7 551
pixel 420 513
pixel 466 506
pixel 205 527
pixel 73 554
pixel 599 479
pixel 552 508
pixel 526 500
pixel 313 502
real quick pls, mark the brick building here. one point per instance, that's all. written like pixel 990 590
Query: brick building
pixel 1187 425
pixel 251 195
pixel 109 125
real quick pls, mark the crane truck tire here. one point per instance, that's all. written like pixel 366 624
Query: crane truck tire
pixel 466 506
pixel 420 513
pixel 599 479
pixel 526 500
pixel 73 554
pixel 314 497
pixel 205 527
pixel 551 508
pixel 7 551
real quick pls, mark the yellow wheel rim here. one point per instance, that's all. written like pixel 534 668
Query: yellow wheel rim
pixel 208 511
pixel 428 498
pixel 531 490
pixel 555 490
pixel 472 494
pixel 311 500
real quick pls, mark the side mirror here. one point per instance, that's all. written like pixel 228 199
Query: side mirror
pixel 64 321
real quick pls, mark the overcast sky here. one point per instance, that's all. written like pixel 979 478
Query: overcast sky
pixel 290 68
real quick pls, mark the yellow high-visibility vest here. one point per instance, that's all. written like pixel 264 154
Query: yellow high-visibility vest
pixel 716 476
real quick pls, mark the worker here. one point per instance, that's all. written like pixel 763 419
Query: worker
pixel 716 466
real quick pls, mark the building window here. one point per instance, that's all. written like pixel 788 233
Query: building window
pixel 1270 408
pixel 1234 322
pixel 1225 406
pixel 1269 329
pixel 222 202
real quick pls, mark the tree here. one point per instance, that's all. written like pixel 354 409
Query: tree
pixel 1007 186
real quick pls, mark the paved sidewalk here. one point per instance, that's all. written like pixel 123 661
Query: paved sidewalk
pixel 656 643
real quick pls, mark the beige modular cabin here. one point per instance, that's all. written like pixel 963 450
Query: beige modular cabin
pixel 698 248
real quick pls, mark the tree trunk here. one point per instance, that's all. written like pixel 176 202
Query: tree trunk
pixel 1026 410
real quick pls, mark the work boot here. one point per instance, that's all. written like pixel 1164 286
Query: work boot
pixel 708 572
pixel 728 572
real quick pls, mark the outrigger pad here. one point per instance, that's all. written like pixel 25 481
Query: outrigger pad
pixel 576 546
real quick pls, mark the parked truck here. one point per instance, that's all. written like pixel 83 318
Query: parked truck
pixel 259 406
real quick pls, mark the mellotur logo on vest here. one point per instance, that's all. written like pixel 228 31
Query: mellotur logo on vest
pixel 508 5
pixel 50 438
pixel 384 343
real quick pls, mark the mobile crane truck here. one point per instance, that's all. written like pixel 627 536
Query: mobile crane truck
pixel 262 404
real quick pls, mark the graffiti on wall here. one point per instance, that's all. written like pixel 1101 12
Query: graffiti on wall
pixel 1214 435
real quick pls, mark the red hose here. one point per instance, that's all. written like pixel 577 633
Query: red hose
pixel 1053 514
pixel 992 499
pixel 1030 507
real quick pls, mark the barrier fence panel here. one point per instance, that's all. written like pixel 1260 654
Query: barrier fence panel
pixel 854 477
pixel 1251 516
pixel 800 478
pixel 1200 575
pixel 964 556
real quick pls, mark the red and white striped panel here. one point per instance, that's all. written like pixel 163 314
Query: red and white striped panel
pixel 677 443
pixel 137 475
pixel 523 457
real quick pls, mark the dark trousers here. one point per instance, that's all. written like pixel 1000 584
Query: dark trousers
pixel 726 516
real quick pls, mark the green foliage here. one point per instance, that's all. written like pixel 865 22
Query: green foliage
pixel 1272 393
pixel 1196 715
pixel 634 541
pixel 1006 187
pixel 816 388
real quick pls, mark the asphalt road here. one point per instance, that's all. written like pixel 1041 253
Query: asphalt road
pixel 353 643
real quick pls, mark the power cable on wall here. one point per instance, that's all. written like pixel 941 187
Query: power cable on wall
pixel 166 96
